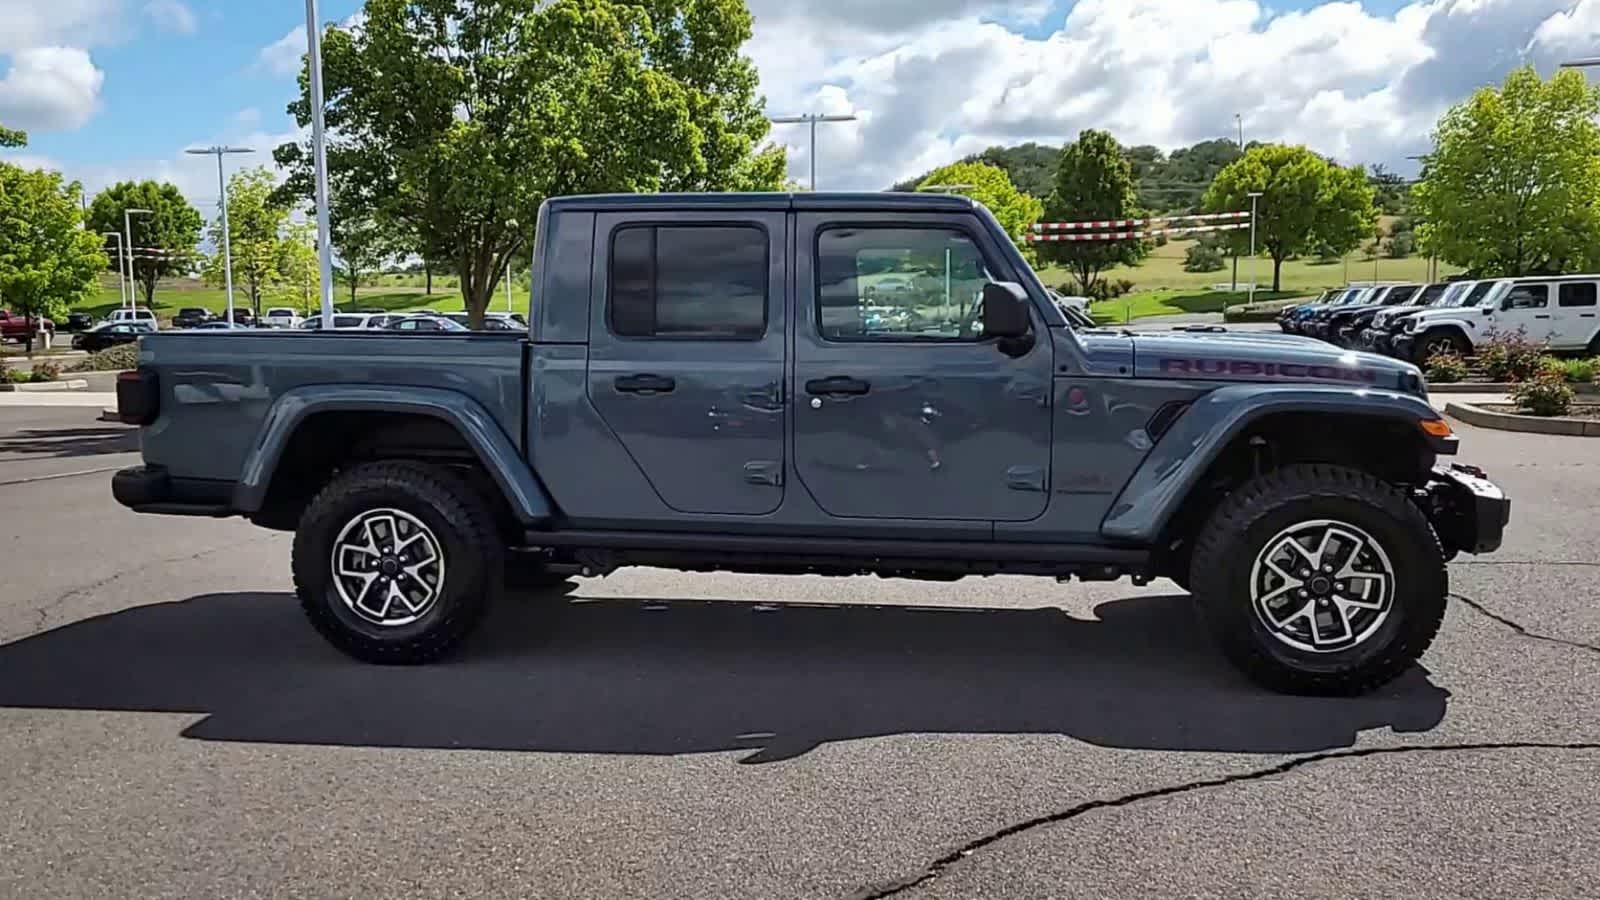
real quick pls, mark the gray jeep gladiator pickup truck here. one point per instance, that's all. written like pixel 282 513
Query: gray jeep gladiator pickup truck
pixel 820 384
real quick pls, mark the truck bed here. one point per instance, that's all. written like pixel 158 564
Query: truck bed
pixel 215 389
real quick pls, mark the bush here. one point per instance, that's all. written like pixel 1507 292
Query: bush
pixel 13 376
pixel 1446 367
pixel 111 359
pixel 1545 394
pixel 1203 258
pixel 46 370
pixel 1575 371
pixel 1510 356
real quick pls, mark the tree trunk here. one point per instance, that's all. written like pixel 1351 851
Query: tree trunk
pixel 1277 273
pixel 149 285
pixel 427 272
pixel 353 285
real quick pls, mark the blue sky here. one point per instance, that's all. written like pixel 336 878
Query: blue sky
pixel 113 89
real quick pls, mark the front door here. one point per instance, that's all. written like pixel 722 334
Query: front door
pixel 686 355
pixel 903 408
pixel 1527 308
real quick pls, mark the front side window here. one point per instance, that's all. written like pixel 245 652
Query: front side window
pixel 689 282
pixel 1528 296
pixel 900 284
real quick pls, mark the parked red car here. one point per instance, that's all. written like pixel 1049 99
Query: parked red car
pixel 17 328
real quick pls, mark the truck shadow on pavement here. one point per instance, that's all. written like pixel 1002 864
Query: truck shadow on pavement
pixel 63 442
pixel 553 674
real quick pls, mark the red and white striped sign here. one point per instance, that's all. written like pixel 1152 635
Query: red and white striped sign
pixel 1133 235
pixel 1103 224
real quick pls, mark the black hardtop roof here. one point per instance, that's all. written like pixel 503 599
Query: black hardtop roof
pixel 773 201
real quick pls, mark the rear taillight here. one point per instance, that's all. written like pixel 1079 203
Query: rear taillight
pixel 138 399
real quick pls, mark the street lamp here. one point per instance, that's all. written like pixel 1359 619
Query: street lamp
pixel 127 247
pixel 813 119
pixel 1239 118
pixel 122 280
pixel 319 154
pixel 1254 196
pixel 227 243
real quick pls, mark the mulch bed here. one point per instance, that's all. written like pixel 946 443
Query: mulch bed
pixel 1577 411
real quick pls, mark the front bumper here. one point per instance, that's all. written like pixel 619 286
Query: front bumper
pixel 1402 346
pixel 1469 512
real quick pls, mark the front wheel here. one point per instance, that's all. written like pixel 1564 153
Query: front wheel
pixel 1318 579
pixel 397 562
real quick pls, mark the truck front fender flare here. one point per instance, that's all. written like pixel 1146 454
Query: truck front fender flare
pixel 472 421
pixel 1176 463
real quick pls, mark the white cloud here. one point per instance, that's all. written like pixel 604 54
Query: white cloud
pixel 173 15
pixel 938 79
pixel 50 89
pixel 282 56
pixel 43 23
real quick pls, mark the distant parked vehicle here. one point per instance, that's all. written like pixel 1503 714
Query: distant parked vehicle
pixel 110 334
pixel 17 328
pixel 491 321
pixel 346 322
pixel 79 321
pixel 243 316
pixel 425 323
pixel 191 317
pixel 281 317
pixel 138 314
pixel 220 325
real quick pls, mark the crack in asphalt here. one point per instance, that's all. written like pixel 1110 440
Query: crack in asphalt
pixel 939 866
pixel 49 607
pixel 1523 630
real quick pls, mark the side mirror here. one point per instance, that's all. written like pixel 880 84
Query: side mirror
pixel 1005 310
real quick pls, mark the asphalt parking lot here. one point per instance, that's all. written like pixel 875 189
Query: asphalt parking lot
pixel 171 728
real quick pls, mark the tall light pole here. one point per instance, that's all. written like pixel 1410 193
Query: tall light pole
pixel 127 248
pixel 319 153
pixel 1254 196
pixel 1239 118
pixel 122 279
pixel 219 151
pixel 812 118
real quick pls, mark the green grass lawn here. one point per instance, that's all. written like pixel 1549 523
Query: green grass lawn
pixel 1140 305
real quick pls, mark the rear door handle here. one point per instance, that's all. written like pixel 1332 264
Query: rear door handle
pixel 837 384
pixel 1544 316
pixel 645 384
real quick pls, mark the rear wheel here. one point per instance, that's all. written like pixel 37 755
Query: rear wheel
pixel 1318 579
pixel 396 562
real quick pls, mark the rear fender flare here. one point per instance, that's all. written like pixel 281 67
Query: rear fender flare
pixel 499 455
pixel 1175 465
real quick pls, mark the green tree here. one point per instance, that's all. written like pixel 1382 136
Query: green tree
pixel 256 225
pixel 164 244
pixel 1392 194
pixel 1513 182
pixel 47 259
pixel 1307 204
pixel 989 185
pixel 452 120
pixel 1031 167
pixel 299 270
pixel 363 247
pixel 1094 180
pixel 12 138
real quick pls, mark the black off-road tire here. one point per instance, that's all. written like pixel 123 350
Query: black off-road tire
pixel 1227 547
pixel 1431 342
pixel 460 521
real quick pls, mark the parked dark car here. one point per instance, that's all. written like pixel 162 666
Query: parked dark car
pixel 491 322
pixel 424 323
pixel 79 321
pixel 110 334
pixel 242 316
pixel 191 317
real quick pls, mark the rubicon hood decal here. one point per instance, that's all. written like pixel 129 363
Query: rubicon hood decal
pixel 1229 357
pixel 1248 368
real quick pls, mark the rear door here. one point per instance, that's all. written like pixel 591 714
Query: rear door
pixel 904 410
pixel 1577 322
pixel 686 354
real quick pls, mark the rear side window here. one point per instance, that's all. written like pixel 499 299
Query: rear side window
pixel 1581 293
pixel 689 282
pixel 1400 295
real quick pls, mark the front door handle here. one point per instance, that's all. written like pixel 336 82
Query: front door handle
pixel 1543 316
pixel 645 384
pixel 837 384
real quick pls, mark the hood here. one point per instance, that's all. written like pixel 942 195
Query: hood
pixel 1240 356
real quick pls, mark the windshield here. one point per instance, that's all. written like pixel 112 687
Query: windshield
pixel 1480 292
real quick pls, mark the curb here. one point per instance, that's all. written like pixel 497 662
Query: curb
pixel 76 384
pixel 1484 418
pixel 1496 387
